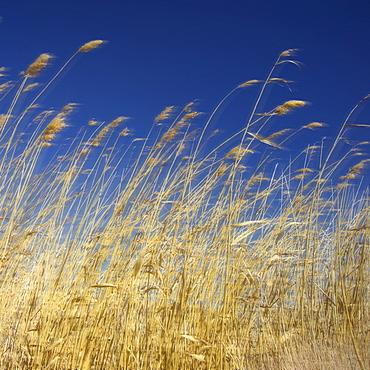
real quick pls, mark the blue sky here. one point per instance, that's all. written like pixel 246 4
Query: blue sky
pixel 164 53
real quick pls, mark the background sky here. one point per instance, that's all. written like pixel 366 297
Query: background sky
pixel 164 52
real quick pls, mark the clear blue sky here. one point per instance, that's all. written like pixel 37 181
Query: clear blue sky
pixel 166 52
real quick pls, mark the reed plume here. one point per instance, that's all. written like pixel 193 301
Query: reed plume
pixel 41 62
pixel 90 45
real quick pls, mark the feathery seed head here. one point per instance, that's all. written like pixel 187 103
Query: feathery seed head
pixel 189 116
pixel 91 45
pixel 68 108
pixel 42 116
pixel 4 119
pixel 166 113
pixel 276 79
pixel 93 122
pixel 289 105
pixel 248 83
pixel 300 176
pixel 278 133
pixel 304 170
pixel 124 132
pixel 355 170
pixel 313 125
pixel 356 125
pixel 5 86
pixel 30 87
pixel 343 185
pixel 99 137
pixel 33 106
pixel 40 63
pixel 288 53
pixel 238 152
pixel 221 170
pixel 117 121
pixel 83 152
pixel 189 107
pixel 55 125
pixel 256 179
pixel 173 131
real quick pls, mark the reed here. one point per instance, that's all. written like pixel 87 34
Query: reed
pixel 143 253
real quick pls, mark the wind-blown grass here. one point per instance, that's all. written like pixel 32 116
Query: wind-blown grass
pixel 150 255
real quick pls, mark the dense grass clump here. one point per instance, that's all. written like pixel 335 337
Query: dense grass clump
pixel 154 255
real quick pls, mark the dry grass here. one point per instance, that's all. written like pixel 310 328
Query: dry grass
pixel 143 254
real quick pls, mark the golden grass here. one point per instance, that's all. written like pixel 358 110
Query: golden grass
pixel 143 254
pixel 40 63
pixel 90 45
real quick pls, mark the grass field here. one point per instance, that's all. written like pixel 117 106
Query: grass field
pixel 154 255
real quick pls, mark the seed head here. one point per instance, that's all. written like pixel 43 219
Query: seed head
pixel 40 63
pixel 99 137
pixel 90 45
pixel 288 53
pixel 277 79
pixel 171 133
pixel 4 119
pixel 165 114
pixel 93 122
pixel 189 107
pixel 125 132
pixel 355 170
pixel 221 170
pixel 68 108
pixel 238 152
pixel 357 125
pixel 5 86
pixel 289 105
pixel 248 83
pixel 299 177
pixel 279 133
pixel 187 117
pixel 257 178
pixel 305 169
pixel 343 185
pixel 83 152
pixel 55 125
pixel 30 86
pixel 117 121
pixel 313 125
